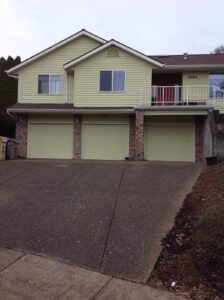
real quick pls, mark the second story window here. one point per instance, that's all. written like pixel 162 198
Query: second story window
pixel 49 84
pixel 112 81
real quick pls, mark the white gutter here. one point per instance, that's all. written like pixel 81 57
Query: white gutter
pixel 13 76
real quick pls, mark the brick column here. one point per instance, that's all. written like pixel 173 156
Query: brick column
pixel 22 135
pixel 77 137
pixel 132 137
pixel 139 135
pixel 199 140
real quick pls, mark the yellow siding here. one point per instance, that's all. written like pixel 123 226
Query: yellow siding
pixel 195 80
pixel 105 119
pixel 51 119
pixel 70 88
pixel 138 74
pixel 52 64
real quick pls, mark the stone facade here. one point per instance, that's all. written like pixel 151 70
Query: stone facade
pixel 139 135
pixel 22 135
pixel 77 137
pixel 132 137
pixel 199 140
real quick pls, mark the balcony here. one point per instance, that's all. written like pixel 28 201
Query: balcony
pixel 182 96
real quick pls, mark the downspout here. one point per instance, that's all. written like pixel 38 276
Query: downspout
pixel 16 77
pixel 11 115
pixel 13 76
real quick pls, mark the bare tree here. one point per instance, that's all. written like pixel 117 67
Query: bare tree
pixel 218 50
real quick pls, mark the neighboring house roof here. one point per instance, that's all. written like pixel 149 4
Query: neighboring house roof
pixel 107 45
pixel 190 59
pixel 82 32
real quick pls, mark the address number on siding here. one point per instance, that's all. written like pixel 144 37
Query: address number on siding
pixel 192 76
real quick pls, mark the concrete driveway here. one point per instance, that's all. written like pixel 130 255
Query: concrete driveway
pixel 105 216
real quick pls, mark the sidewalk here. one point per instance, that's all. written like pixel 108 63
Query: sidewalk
pixel 25 276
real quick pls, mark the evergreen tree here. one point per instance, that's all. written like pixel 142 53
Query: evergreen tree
pixel 8 85
pixel 8 95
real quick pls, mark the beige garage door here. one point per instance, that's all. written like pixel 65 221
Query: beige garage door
pixel 105 141
pixel 50 141
pixel 170 142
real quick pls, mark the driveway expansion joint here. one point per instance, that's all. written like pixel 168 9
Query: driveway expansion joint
pixel 112 217
pixel 101 290
pixel 14 261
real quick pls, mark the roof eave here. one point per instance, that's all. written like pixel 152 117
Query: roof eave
pixel 68 111
pixel 54 47
pixel 194 66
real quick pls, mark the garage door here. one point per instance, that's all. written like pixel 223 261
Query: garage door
pixel 170 142
pixel 105 141
pixel 50 141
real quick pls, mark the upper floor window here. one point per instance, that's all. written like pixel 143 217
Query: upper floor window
pixel 216 85
pixel 112 81
pixel 49 84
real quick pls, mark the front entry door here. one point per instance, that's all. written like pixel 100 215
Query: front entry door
pixel 166 89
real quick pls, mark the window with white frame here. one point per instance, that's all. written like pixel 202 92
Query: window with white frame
pixel 49 84
pixel 112 81
pixel 216 86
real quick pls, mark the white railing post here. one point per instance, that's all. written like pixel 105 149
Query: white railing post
pixel 187 94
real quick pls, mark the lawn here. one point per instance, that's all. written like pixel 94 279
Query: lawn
pixel 192 260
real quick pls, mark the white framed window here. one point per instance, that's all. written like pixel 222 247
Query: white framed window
pixel 49 84
pixel 216 86
pixel 112 81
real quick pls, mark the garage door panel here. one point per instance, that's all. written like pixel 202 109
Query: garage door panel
pixel 170 142
pixel 50 141
pixel 104 141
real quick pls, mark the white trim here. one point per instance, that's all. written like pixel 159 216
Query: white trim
pixel 19 90
pixel 28 139
pixel 104 46
pixel 83 32
pixel 66 88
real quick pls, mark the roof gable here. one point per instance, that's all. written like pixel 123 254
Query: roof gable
pixel 107 45
pixel 75 36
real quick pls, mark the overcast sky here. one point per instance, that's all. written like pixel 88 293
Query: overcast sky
pixel 150 26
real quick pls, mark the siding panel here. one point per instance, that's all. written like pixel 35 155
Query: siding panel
pixel 52 63
pixel 86 93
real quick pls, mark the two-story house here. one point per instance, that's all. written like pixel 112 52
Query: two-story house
pixel 88 98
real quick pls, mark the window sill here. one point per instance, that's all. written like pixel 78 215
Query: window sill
pixel 111 92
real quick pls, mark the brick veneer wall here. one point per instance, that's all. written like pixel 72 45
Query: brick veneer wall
pixel 22 135
pixel 139 135
pixel 199 141
pixel 77 136
pixel 132 137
